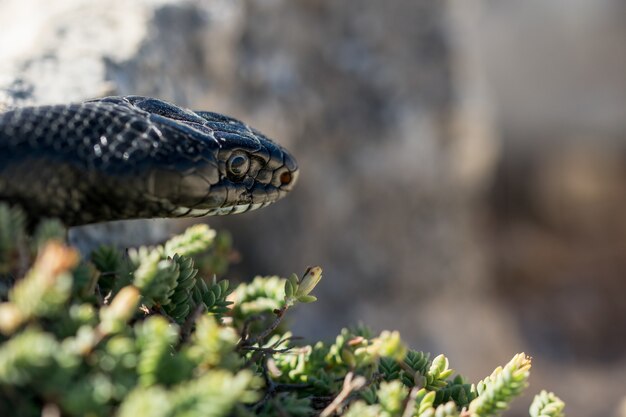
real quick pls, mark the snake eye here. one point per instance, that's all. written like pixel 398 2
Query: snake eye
pixel 238 165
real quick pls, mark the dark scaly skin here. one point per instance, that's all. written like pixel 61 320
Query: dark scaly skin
pixel 136 157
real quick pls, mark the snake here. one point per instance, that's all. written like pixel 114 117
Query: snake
pixel 132 157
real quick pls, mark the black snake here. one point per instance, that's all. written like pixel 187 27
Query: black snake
pixel 136 157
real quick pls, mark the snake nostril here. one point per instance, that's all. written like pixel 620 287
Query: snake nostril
pixel 285 178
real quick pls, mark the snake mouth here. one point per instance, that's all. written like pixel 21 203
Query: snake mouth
pixel 235 198
pixel 240 198
pixel 219 211
pixel 239 208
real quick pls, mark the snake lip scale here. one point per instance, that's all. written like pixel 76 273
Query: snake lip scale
pixel 131 157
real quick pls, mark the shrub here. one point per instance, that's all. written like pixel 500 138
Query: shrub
pixel 146 334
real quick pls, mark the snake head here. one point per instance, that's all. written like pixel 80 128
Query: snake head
pixel 231 168
pixel 254 171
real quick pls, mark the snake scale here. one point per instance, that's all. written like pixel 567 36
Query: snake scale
pixel 133 157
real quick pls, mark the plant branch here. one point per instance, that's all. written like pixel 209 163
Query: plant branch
pixel 350 383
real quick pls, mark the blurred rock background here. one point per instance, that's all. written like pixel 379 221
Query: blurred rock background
pixel 463 163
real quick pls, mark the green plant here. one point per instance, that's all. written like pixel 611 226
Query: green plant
pixel 147 334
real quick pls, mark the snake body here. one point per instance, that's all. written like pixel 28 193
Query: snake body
pixel 136 157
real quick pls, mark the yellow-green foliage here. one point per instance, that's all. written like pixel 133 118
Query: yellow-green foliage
pixel 153 332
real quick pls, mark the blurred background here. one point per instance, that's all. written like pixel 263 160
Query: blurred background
pixel 463 163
